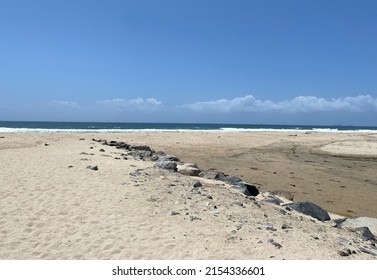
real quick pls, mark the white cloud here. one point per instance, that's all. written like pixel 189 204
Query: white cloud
pixel 62 103
pixel 138 104
pixel 360 103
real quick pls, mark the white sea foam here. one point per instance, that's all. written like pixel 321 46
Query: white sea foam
pixel 297 130
pixel 152 130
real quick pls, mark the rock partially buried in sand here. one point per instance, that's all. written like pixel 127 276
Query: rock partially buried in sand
pixel 95 167
pixel 231 180
pixel 168 158
pixel 311 209
pixel 197 184
pixel 246 189
pixel 210 174
pixel 167 164
pixel 366 234
pixel 141 148
pixel 358 222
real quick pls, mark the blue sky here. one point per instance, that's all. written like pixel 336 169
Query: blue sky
pixel 271 62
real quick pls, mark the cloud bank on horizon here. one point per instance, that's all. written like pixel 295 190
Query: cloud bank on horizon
pixel 250 108
pixel 299 104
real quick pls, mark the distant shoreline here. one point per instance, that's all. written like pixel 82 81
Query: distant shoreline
pixel 109 127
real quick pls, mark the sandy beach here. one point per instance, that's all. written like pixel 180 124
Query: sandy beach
pixel 54 207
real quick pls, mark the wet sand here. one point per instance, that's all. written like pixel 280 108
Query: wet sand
pixel 335 170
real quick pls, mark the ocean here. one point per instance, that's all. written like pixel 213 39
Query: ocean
pixel 41 127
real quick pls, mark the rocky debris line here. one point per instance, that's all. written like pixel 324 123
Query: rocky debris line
pixel 142 152
pixel 280 198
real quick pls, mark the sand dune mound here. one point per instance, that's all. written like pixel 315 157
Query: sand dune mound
pixel 357 148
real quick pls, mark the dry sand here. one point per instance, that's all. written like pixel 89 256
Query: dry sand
pixel 53 207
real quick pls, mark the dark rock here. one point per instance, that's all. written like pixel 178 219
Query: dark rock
pixel 197 184
pixel 141 154
pixel 102 150
pixel 210 174
pixel 271 228
pixel 231 180
pixel 118 145
pixel 46 144
pixel 285 226
pixel 345 252
pixel 221 177
pixel 169 158
pixel 95 167
pixel 193 218
pixel 245 188
pixel 82 139
pixel 123 146
pixel 364 250
pixel 365 233
pixel 277 245
pixel 311 209
pixel 141 147
pixel 70 166
pixel 173 213
pixel 338 222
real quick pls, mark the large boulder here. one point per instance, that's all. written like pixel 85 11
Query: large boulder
pixel 311 209
pixel 246 189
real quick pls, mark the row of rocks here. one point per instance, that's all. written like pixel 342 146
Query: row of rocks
pixel 142 152
pixel 172 163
